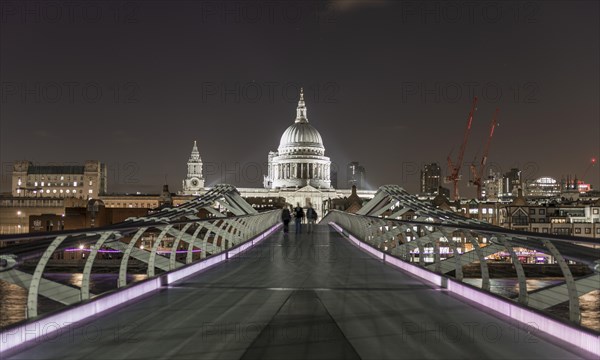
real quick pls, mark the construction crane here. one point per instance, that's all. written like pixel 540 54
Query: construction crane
pixel 454 168
pixel 478 173
pixel 592 163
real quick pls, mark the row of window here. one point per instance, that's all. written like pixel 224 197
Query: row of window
pixel 48 183
pixel 57 177
pixel 31 203
pixel 61 191
pixel 74 183
pixel 566 231
pixel 483 211
pixel 133 205
pixel 532 211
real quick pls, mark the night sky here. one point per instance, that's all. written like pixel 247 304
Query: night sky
pixel 388 84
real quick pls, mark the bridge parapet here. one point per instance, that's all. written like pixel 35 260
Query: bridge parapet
pixel 193 245
pixel 550 273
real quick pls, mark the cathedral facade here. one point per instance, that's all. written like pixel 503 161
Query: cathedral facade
pixel 298 172
pixel 300 158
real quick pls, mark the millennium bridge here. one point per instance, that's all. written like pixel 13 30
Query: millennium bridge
pixel 369 285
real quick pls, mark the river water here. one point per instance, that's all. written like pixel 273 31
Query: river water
pixel 13 299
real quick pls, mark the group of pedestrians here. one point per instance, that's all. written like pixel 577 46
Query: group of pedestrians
pixel 299 216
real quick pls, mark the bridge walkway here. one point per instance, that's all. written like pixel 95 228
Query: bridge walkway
pixel 300 297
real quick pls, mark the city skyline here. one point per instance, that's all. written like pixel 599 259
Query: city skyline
pixel 386 84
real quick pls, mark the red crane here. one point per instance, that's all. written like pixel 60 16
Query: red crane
pixel 454 168
pixel 592 163
pixel 478 173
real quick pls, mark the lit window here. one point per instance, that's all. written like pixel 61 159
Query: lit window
pixel 90 191
pixel 54 191
pixel 90 182
pixel 68 191
pixel 484 211
pixel 35 183
pixel 19 182
pixel 61 191
pixel 62 177
pixel 74 191
pixel 74 183
pixel 48 191
pixel 42 183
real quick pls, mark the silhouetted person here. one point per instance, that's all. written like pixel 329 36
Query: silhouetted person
pixel 298 216
pixel 286 217
pixel 311 217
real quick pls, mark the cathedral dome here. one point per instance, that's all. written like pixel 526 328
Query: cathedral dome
pixel 301 137
pixel 300 159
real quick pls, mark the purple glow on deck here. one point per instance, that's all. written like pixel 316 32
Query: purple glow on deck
pixel 47 328
pixel 179 274
pixel 579 338
pixel 88 250
pixel 415 270
pixel 576 337
pixel 42 330
pixel 119 251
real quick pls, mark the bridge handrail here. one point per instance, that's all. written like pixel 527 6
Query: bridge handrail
pixel 365 231
pixel 408 239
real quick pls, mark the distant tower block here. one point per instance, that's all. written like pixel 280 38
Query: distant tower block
pixel 194 181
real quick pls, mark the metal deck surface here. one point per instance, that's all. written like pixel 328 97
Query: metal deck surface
pixel 299 297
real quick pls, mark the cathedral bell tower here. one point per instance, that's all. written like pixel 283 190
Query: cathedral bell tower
pixel 194 181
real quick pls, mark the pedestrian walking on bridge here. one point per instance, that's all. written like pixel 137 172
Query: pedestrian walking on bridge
pixel 298 218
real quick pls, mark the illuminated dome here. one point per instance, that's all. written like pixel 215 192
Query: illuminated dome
pixel 300 158
pixel 301 137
